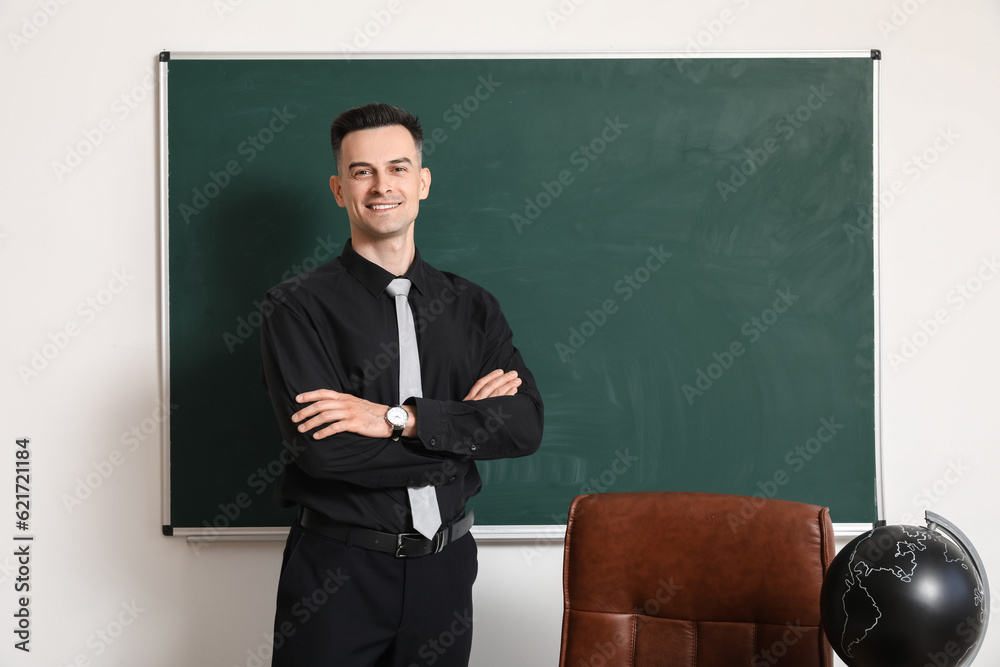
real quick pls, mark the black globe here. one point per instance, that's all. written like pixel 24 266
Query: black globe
pixel 904 596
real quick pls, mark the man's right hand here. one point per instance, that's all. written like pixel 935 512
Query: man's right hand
pixel 496 383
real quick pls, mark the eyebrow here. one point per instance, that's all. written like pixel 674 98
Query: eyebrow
pixel 399 160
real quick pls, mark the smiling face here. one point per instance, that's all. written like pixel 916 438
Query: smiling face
pixel 380 182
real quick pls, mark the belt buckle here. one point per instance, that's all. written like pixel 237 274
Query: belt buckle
pixel 437 543
pixel 399 544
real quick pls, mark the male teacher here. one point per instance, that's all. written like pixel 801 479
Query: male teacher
pixel 389 379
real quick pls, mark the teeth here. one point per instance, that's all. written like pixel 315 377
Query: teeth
pixel 381 207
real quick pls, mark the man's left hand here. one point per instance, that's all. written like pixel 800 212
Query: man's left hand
pixel 343 413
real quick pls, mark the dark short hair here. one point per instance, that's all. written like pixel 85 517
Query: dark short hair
pixel 371 116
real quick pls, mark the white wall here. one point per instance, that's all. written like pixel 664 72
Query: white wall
pixel 63 237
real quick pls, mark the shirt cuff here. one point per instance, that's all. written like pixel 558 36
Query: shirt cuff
pixel 432 425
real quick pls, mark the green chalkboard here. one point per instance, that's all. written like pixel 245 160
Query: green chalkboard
pixel 683 248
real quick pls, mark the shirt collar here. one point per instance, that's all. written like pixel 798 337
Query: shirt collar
pixel 374 277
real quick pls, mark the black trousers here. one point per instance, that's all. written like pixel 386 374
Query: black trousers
pixel 342 606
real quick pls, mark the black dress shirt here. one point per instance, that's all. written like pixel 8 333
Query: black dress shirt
pixel 336 329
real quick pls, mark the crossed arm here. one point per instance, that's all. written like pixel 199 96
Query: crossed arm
pixel 500 416
pixel 346 413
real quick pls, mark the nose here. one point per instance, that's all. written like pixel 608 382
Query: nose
pixel 381 185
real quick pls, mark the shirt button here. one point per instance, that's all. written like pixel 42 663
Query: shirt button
pixel 452 479
pixel 473 447
pixel 434 442
pixel 409 482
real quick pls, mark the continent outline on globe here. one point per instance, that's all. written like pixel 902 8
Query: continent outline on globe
pixel 906 596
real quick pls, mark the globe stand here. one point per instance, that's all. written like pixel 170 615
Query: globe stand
pixel 936 522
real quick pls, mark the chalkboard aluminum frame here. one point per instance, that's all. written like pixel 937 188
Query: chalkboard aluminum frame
pixel 508 533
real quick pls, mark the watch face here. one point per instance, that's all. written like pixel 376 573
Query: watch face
pixel 396 416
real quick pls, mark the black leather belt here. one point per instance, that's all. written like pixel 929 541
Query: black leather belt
pixel 402 545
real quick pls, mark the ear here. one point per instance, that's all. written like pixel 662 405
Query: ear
pixel 425 182
pixel 338 191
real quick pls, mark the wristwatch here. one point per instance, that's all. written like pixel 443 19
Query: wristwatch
pixel 396 416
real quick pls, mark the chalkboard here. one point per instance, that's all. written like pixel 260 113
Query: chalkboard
pixel 683 247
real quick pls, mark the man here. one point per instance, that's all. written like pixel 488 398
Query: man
pixel 359 585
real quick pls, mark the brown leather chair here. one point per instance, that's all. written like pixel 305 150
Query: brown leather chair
pixel 694 580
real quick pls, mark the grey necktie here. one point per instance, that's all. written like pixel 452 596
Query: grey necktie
pixel 423 499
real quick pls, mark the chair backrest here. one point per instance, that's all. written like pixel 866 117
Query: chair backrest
pixel 694 580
